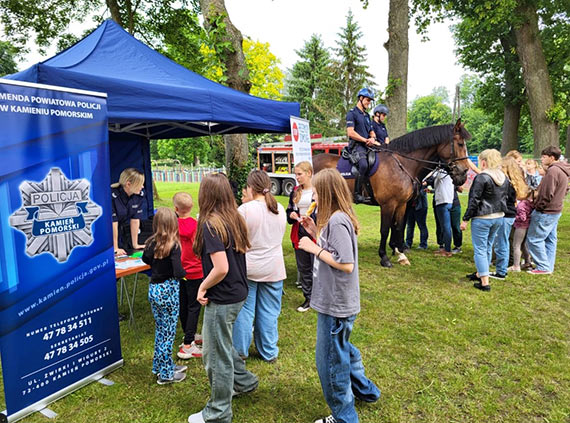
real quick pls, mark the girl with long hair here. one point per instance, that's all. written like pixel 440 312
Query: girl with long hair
pixel 517 189
pixel 336 297
pixel 525 206
pixel 265 219
pixel 221 241
pixel 163 254
pixel 300 200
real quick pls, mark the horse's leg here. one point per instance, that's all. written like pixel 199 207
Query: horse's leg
pixel 387 214
pixel 393 244
pixel 398 233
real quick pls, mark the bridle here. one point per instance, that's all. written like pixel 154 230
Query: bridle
pixel 446 167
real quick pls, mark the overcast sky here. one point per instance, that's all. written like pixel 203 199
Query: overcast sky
pixel 287 24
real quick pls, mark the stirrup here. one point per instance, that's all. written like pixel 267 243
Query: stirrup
pixel 361 199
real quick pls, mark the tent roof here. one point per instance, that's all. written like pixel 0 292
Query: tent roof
pixel 150 95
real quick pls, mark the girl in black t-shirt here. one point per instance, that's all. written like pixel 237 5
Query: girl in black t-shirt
pixel 221 241
pixel 163 255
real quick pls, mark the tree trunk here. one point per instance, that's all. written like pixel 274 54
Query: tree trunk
pixel 567 151
pixel 115 10
pixel 536 78
pixel 511 128
pixel 397 46
pixel 236 145
pixel 513 95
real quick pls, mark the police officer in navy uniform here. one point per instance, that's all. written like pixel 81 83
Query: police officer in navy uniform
pixel 127 199
pixel 361 136
pixel 378 125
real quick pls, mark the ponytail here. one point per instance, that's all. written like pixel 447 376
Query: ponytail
pixel 259 182
pixel 271 202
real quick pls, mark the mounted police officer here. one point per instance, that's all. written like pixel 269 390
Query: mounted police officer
pixel 378 125
pixel 361 136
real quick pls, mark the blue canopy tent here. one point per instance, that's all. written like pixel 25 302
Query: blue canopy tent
pixel 152 97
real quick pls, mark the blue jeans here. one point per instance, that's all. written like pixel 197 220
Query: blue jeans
pixel 260 311
pixel 502 245
pixel 483 233
pixel 225 369
pixel 340 368
pixel 164 302
pixel 443 213
pixel 541 239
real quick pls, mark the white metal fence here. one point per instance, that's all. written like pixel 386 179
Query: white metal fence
pixel 184 175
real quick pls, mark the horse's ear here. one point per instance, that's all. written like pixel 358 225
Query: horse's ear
pixel 457 127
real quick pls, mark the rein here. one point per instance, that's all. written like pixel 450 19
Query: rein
pixel 438 164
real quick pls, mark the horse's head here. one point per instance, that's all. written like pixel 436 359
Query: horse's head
pixel 454 153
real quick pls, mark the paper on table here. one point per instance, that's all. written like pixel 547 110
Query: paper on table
pixel 127 264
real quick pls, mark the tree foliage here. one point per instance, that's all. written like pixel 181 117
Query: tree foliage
pixel 308 79
pixel 264 73
pixel 325 82
pixel 348 68
pixel 486 38
pixel 8 57
pixel 485 132
pixel 429 111
pixel 48 22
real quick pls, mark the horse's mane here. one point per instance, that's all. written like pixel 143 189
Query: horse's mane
pixel 425 137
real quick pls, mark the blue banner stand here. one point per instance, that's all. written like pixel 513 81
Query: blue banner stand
pixel 59 327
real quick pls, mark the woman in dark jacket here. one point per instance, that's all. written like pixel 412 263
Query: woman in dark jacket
pixel 486 208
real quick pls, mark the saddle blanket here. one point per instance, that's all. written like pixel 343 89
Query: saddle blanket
pixel 345 168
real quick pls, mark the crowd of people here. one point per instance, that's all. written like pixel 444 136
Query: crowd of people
pixel 505 194
pixel 229 263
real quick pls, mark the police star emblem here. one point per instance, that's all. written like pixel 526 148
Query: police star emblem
pixel 56 215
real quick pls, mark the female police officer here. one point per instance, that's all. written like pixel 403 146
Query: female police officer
pixel 360 135
pixel 378 125
pixel 127 198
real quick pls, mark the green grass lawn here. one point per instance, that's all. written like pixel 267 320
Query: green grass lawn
pixel 439 350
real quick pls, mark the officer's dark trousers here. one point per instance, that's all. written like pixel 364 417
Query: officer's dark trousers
pixel 305 267
pixel 362 152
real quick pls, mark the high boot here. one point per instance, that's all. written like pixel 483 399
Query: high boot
pixel 358 184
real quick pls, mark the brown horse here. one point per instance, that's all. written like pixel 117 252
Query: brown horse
pixel 402 162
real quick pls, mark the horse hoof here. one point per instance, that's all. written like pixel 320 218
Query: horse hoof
pixel 404 262
pixel 386 263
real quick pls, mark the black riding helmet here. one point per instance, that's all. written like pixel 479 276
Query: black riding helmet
pixel 381 109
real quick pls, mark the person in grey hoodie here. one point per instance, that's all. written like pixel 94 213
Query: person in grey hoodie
pixel 548 204
pixel 486 209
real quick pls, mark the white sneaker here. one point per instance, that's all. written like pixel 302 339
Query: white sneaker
pixel 178 377
pixel 306 306
pixel 193 352
pixel 328 419
pixel 196 418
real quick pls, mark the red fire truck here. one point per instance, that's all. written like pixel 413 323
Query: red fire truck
pixel 277 159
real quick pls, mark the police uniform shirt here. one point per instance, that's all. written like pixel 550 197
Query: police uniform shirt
pixel 360 121
pixel 126 208
pixel 380 130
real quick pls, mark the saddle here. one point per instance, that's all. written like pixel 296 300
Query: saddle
pixel 348 162
pixel 347 166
